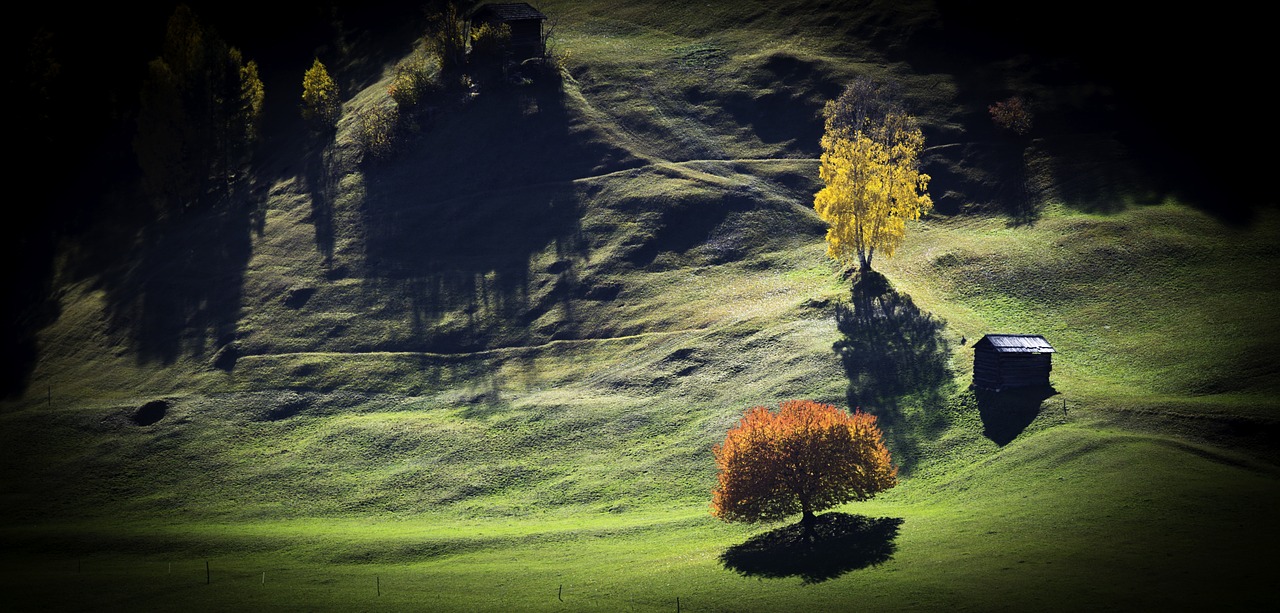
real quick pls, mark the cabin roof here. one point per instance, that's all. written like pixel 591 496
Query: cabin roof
pixel 515 11
pixel 1015 343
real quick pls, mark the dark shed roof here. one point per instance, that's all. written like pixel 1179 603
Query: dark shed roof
pixel 1016 343
pixel 517 11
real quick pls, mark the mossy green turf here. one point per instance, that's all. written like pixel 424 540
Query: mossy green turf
pixel 524 420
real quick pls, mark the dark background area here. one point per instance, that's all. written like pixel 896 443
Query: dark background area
pixel 1189 103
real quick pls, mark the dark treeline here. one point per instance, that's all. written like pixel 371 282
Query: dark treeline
pixel 75 79
pixel 81 68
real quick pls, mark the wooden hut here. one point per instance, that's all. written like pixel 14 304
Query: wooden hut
pixel 1003 361
pixel 525 23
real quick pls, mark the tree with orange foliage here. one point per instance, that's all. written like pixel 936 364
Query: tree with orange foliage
pixel 1012 114
pixel 805 457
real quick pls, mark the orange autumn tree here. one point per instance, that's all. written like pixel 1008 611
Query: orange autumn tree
pixel 805 457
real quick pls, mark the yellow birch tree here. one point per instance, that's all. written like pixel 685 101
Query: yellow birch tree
pixel 871 168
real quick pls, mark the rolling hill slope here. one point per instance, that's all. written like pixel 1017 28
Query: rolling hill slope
pixel 487 373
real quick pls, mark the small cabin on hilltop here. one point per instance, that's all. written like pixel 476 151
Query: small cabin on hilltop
pixel 524 21
pixel 1002 361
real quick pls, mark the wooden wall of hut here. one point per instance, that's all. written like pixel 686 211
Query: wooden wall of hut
pixel 995 370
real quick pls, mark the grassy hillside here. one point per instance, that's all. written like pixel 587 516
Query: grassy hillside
pixel 487 373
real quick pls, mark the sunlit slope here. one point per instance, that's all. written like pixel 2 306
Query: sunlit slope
pixel 1154 302
pixel 624 419
pixel 1065 518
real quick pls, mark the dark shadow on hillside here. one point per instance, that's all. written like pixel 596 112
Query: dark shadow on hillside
pixel 790 105
pixel 320 186
pixel 991 175
pixel 29 305
pixel 845 543
pixel 460 215
pixel 1094 173
pixel 690 221
pixel 21 352
pixel 1110 82
pixel 1006 414
pixel 178 292
pixel 891 350
pixel 972 162
pixel 368 37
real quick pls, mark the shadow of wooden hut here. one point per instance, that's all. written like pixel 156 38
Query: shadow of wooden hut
pixel 1011 382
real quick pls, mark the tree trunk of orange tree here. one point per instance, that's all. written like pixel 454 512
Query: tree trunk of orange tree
pixel 808 520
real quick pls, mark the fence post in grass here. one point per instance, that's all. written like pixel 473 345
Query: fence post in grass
pixel 677 604
pixel 206 572
pixel 560 593
pixel 1064 409
pixel 378 579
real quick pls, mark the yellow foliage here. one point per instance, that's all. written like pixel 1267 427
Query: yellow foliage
pixel 320 101
pixel 873 187
pixel 252 97
pixel 448 39
pixel 377 130
pixel 414 77
pixel 488 40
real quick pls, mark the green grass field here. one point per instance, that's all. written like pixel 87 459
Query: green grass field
pixel 487 373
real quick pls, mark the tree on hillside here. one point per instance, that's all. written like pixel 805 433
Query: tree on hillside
pixel 448 37
pixel 871 168
pixel 162 140
pixel 200 107
pixel 252 97
pixel 1012 114
pixel 804 458
pixel 863 103
pixel 320 102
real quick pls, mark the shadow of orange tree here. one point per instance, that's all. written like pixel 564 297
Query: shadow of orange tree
pixel 845 543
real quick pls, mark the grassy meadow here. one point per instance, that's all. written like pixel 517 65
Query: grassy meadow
pixel 486 373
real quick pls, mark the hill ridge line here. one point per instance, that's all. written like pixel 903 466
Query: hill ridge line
pixel 612 173
pixel 482 352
